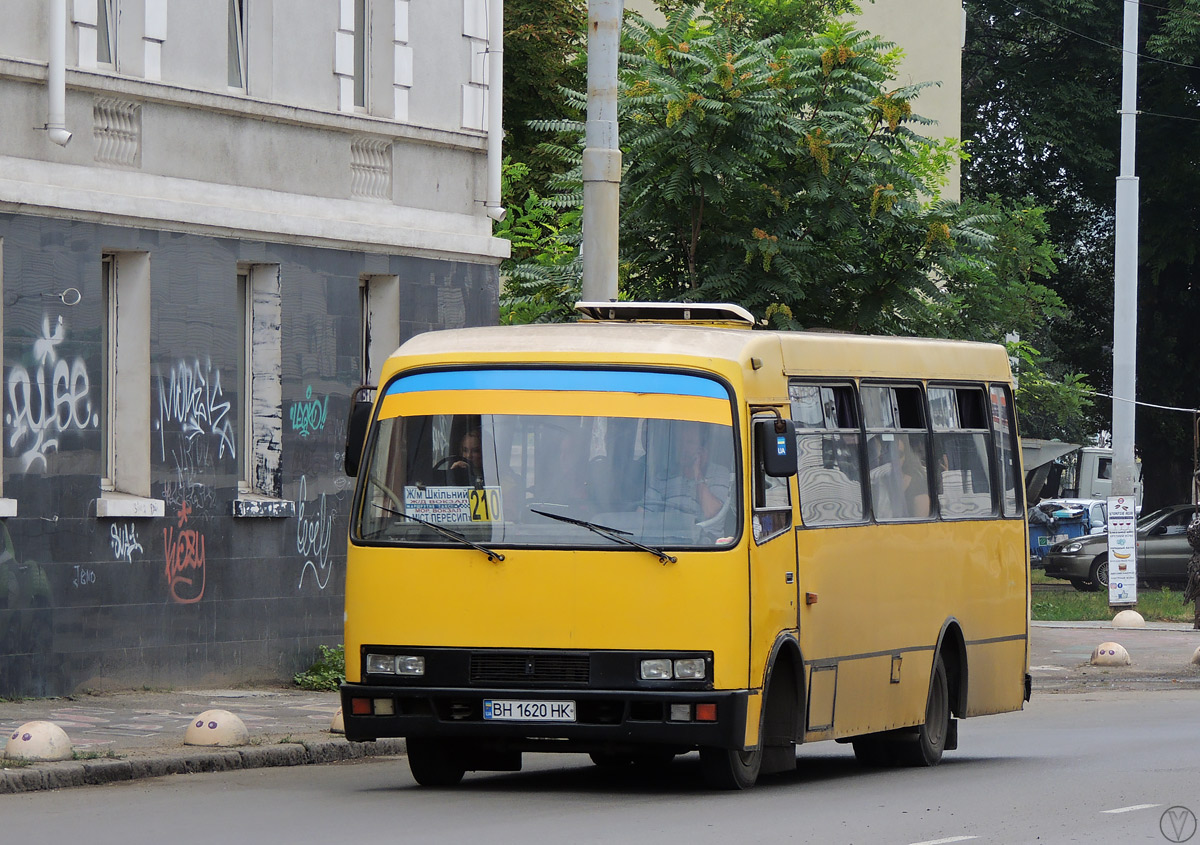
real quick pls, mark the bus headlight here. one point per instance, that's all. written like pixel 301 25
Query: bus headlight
pixel 381 664
pixel 656 669
pixel 689 669
pixel 410 664
pixel 395 664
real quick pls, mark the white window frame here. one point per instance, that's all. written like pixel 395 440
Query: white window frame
pixel 107 12
pixel 260 408
pixel 237 43
pixel 125 484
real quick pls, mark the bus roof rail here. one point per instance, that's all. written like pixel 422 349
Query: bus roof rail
pixel 692 313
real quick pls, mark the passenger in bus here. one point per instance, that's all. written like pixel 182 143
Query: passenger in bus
pixel 915 480
pixel 468 469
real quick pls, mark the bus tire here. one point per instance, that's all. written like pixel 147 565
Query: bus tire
pixel 931 736
pixel 434 762
pixel 730 768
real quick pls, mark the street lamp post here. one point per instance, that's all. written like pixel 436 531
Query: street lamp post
pixel 1122 558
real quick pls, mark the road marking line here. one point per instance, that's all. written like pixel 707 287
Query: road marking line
pixel 945 841
pixel 1131 809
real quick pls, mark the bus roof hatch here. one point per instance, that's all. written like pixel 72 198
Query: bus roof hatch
pixel 686 313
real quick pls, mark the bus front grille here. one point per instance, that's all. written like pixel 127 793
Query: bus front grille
pixel 530 668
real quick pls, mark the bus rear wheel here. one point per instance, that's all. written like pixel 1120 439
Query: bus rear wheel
pixel 434 762
pixel 730 768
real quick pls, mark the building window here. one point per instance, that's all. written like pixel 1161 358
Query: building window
pixel 380 323
pixel 106 33
pixel 360 53
pixel 125 388
pixel 237 44
pixel 260 406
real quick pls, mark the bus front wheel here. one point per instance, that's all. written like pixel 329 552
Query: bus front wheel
pixel 931 736
pixel 434 762
pixel 726 768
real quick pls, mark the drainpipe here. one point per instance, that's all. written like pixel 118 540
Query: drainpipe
pixel 495 129
pixel 601 154
pixel 56 75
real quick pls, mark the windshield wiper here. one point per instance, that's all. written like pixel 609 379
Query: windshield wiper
pixel 448 532
pixel 614 534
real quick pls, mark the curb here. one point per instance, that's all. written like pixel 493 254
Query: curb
pixel 42 776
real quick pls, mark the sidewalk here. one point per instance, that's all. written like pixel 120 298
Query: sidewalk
pixel 130 735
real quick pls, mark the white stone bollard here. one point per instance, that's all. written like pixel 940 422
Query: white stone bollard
pixel 1196 657
pixel 1128 619
pixel 216 727
pixel 339 724
pixel 38 742
pixel 1110 654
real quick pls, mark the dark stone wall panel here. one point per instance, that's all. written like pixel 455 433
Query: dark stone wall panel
pixel 198 596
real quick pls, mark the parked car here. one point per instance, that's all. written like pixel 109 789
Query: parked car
pixel 1162 552
pixel 1093 511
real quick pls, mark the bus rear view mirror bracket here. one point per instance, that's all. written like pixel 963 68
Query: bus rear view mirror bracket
pixel 356 427
pixel 775 441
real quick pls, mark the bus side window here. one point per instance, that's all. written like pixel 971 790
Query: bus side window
pixel 961 445
pixel 898 450
pixel 829 454
pixel 772 504
pixel 1006 449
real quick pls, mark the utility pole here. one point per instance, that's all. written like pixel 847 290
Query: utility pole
pixel 602 153
pixel 1122 557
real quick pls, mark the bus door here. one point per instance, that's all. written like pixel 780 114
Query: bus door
pixel 774 581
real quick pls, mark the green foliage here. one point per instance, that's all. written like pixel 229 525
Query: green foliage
pixel 1161 605
pixel 541 278
pixel 327 673
pixel 1040 100
pixel 1049 407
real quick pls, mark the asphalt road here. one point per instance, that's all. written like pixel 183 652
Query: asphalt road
pixel 1096 767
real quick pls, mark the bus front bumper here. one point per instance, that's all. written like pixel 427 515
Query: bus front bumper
pixel 601 718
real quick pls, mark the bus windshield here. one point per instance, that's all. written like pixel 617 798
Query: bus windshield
pixel 507 478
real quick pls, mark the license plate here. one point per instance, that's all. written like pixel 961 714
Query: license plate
pixel 528 711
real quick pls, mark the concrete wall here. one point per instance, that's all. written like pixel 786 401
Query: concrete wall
pixel 171 510
pixel 931 33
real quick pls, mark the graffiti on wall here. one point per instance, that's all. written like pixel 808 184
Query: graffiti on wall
pixel 314 532
pixel 191 398
pixel 52 400
pixel 124 541
pixel 185 559
pixel 309 416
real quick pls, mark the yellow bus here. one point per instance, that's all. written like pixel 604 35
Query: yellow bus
pixel 660 530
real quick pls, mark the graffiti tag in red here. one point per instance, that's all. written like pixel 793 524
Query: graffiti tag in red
pixel 185 559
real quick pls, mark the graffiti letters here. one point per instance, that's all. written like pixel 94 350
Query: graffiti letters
pixel 124 541
pixel 191 397
pixel 44 404
pixel 83 576
pixel 309 415
pixel 185 560
pixel 313 534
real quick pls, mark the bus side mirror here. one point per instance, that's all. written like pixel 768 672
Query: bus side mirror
pixel 775 441
pixel 356 428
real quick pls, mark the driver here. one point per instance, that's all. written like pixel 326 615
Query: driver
pixel 468 469
pixel 695 484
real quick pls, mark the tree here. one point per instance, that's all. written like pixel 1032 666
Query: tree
pixel 1041 92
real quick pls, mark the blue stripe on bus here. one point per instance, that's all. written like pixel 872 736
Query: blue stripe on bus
pixel 603 381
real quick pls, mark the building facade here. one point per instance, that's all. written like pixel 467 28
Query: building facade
pixel 259 200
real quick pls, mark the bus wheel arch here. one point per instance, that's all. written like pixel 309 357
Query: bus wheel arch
pixel 952 646
pixel 779 726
